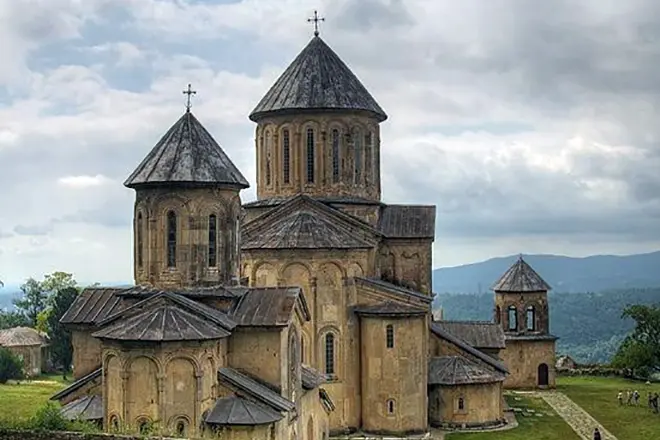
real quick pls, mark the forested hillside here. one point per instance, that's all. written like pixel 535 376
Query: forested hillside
pixel 589 325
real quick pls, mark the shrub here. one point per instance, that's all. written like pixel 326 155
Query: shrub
pixel 11 366
pixel 49 418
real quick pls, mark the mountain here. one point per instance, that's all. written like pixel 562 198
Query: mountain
pixel 565 274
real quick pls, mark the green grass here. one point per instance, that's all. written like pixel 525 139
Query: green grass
pixel 20 401
pixel 548 427
pixel 597 396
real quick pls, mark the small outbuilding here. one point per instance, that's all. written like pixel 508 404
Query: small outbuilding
pixel 464 394
pixel 30 345
pixel 565 362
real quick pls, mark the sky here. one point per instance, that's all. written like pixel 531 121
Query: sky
pixel 532 126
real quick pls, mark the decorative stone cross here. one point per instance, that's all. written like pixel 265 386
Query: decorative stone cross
pixel 189 92
pixel 316 20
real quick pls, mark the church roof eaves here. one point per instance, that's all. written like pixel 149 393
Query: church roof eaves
pixel 408 221
pixel 237 410
pixel 77 384
pixel 479 334
pixel 255 389
pixel 317 80
pixel 188 155
pixel 269 307
pixel 389 309
pixel 521 278
pixel 458 370
pixel 85 408
pixel 393 288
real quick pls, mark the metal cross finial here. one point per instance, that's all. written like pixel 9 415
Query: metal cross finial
pixel 189 92
pixel 316 20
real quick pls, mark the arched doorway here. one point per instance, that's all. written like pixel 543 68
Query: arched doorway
pixel 543 375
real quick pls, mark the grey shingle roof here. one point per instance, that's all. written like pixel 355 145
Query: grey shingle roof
pixel 407 221
pixel 317 79
pixel 457 370
pixel 339 200
pixel 460 343
pixel 402 292
pixel 479 334
pixel 166 322
pixel 94 304
pixel 246 384
pixel 521 278
pixel 85 408
pixel 94 375
pixel 22 337
pixel 235 410
pixel 390 309
pixel 310 377
pixel 187 154
pixel 268 306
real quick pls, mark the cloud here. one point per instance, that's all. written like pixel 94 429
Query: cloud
pixel 532 126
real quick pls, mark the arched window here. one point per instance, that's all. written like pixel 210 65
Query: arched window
pixel 269 149
pixel 181 428
pixel 389 335
pixel 286 157
pixel 171 239
pixel 390 406
pixel 330 354
pixel 513 318
pixel 531 318
pixel 113 423
pixel 213 240
pixel 498 312
pixel 144 426
pixel 139 239
pixel 302 349
pixel 357 138
pixel 335 155
pixel 310 155
pixel 461 404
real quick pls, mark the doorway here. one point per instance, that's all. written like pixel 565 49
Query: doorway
pixel 543 375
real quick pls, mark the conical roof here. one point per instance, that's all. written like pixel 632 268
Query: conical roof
pixel 457 370
pixel 187 154
pixel 521 278
pixel 317 80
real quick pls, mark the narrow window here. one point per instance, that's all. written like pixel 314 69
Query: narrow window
pixel 513 318
pixel 335 156
pixel 114 423
pixel 171 239
pixel 302 349
pixel 140 242
pixel 358 157
pixel 181 428
pixel 461 404
pixel 329 354
pixel 531 325
pixel 213 241
pixel 286 157
pixel 389 335
pixel 368 156
pixel 310 155
pixel 268 158
pixel 390 406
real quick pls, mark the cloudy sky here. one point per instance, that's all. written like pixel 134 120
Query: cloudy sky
pixel 533 126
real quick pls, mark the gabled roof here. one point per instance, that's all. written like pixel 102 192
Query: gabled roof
pixel 390 309
pixel 187 154
pixel 317 80
pixel 22 337
pixel 479 334
pixel 521 278
pixel 246 384
pixel 85 408
pixel 94 304
pixel 304 223
pixel 269 307
pixel 236 410
pixel 89 378
pixel 407 221
pixel 398 291
pixel 457 370
pixel 442 333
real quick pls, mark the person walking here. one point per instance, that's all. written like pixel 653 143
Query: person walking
pixel 597 434
pixel 619 397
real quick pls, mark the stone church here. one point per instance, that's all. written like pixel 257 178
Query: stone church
pixel 301 315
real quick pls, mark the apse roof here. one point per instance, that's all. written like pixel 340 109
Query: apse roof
pixel 317 79
pixel 457 370
pixel 521 278
pixel 236 410
pixel 187 154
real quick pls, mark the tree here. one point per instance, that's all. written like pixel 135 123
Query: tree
pixel 640 351
pixel 12 319
pixel 34 300
pixel 11 367
pixel 57 281
pixel 60 337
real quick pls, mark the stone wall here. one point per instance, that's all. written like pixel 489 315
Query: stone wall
pixel 523 358
pixel 86 352
pixel 10 434
pixel 472 405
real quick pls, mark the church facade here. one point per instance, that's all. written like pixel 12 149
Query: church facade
pixel 301 315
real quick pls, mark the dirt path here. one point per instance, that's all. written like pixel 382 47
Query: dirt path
pixel 577 418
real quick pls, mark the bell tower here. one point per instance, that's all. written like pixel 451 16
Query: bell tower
pixel 521 308
pixel 187 210
pixel 318 131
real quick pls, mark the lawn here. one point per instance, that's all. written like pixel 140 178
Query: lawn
pixel 597 395
pixel 19 401
pixel 548 427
